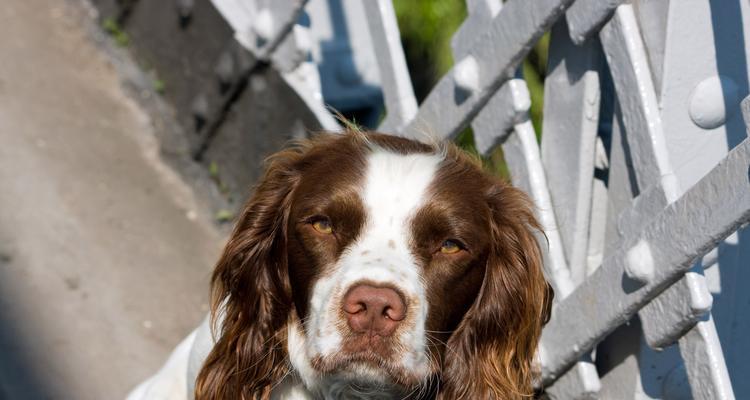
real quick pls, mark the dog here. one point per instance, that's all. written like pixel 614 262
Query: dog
pixel 370 266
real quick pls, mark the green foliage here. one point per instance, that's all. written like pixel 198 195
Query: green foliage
pixel 114 30
pixel 534 69
pixel 213 170
pixel 465 140
pixel 224 216
pixel 426 30
pixel 159 85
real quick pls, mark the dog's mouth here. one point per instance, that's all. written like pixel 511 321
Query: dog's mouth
pixel 370 346
pixel 367 365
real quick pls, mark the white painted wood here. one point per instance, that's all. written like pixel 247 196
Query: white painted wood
pixel 668 317
pixel 581 382
pixel 585 17
pixel 260 25
pixel 571 119
pixel 522 155
pixel 580 321
pixel 628 64
pixel 704 362
pixel 401 105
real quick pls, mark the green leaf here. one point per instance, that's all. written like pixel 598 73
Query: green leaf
pixel 114 30
pixel 213 170
pixel 159 85
pixel 224 215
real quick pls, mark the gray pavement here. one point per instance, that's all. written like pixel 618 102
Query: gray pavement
pixel 104 251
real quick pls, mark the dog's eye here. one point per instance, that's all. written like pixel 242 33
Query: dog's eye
pixel 450 247
pixel 323 225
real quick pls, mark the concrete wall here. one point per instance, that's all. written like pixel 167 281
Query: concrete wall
pixel 231 118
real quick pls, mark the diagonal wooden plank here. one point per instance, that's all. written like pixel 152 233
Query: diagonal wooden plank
pixel 585 17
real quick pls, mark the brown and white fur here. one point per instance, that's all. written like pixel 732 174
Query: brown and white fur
pixel 467 321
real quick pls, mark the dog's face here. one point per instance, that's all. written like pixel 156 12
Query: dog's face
pixel 387 252
pixel 384 262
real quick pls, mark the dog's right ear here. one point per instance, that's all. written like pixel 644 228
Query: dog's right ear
pixel 492 351
pixel 250 293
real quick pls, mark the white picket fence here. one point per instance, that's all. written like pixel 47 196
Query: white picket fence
pixel 641 178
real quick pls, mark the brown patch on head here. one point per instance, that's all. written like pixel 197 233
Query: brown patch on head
pixel 491 294
pixel 331 178
pixel 398 145
pixel 391 244
pixel 457 211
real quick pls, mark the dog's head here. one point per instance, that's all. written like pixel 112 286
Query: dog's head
pixel 371 261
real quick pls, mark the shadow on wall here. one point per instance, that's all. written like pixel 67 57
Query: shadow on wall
pixel 730 307
pixel 729 41
pixel 731 299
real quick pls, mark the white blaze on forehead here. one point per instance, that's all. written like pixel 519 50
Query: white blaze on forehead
pixel 395 185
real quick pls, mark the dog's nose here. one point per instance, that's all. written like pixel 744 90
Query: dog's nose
pixel 375 310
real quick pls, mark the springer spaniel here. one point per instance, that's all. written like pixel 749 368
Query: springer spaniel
pixel 368 266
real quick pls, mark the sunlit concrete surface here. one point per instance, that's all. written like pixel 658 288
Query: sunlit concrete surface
pixel 104 256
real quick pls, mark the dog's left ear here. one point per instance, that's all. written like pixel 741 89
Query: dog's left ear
pixel 491 353
pixel 250 293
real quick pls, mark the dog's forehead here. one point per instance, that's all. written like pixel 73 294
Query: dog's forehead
pixel 389 179
pixel 396 184
pixel 393 184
